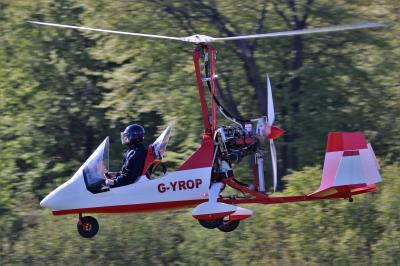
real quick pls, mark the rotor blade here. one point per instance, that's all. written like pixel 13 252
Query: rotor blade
pixel 106 31
pixel 356 26
pixel 271 110
pixel 274 163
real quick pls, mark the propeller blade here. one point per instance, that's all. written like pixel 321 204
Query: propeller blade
pixel 271 111
pixel 356 26
pixel 274 163
pixel 106 31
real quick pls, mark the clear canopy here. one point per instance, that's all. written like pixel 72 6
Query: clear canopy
pixel 96 166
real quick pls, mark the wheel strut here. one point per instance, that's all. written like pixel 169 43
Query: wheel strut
pixel 80 219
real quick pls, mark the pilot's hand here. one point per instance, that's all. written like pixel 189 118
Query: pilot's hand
pixel 109 182
pixel 111 175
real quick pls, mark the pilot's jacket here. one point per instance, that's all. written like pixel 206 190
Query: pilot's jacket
pixel 132 165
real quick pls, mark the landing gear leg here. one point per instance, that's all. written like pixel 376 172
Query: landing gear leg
pixel 87 226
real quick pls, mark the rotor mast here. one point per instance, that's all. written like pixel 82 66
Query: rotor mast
pixel 209 121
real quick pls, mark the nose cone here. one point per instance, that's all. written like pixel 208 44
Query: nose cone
pixel 275 132
pixel 60 198
pixel 47 202
pixel 51 201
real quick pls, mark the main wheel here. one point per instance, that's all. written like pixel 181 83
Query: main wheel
pixel 211 224
pixel 227 226
pixel 88 227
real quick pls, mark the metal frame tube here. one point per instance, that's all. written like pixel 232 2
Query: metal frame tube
pixel 204 109
pixel 260 170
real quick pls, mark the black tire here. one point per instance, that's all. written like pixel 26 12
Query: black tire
pixel 228 226
pixel 88 227
pixel 211 224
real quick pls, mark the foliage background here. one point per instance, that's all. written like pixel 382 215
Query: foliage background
pixel 63 91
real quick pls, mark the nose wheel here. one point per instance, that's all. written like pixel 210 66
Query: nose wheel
pixel 87 226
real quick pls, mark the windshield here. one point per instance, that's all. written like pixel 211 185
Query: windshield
pixel 95 167
pixel 160 145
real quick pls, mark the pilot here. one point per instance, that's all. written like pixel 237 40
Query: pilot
pixel 134 157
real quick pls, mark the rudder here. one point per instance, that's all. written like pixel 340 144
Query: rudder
pixel 350 165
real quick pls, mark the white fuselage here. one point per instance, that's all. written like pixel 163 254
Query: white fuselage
pixel 179 186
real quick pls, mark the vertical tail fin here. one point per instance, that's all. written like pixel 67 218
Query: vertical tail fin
pixel 350 165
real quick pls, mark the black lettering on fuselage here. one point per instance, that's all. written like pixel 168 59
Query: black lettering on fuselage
pixel 173 185
pixel 182 185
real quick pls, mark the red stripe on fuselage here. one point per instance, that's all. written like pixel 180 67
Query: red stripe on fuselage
pixel 134 208
pixel 342 192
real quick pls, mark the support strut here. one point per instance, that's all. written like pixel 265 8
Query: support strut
pixel 204 108
pixel 260 172
pixel 211 58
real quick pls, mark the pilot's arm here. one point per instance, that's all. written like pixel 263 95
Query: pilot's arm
pixel 132 168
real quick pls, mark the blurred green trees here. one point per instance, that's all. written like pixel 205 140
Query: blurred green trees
pixel 63 91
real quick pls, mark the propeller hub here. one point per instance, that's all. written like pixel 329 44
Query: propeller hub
pixel 274 132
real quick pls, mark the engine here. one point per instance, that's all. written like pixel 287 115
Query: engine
pixel 236 143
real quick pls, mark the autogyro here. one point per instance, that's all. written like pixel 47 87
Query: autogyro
pixel 350 166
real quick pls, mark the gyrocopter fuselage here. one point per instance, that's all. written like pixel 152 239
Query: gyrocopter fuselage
pixel 350 166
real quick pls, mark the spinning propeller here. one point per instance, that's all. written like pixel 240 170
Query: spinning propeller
pixel 273 132
pixel 198 38
pixel 268 131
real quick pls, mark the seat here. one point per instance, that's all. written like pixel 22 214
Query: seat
pixel 155 153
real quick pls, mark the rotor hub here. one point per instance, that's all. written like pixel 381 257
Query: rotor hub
pixel 198 38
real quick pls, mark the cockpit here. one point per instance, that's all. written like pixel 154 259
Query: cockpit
pixel 94 169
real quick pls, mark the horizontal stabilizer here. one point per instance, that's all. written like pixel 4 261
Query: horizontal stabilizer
pixel 350 165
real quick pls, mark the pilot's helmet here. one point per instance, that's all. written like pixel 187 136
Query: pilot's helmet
pixel 132 134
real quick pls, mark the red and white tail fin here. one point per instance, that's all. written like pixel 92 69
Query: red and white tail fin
pixel 350 165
